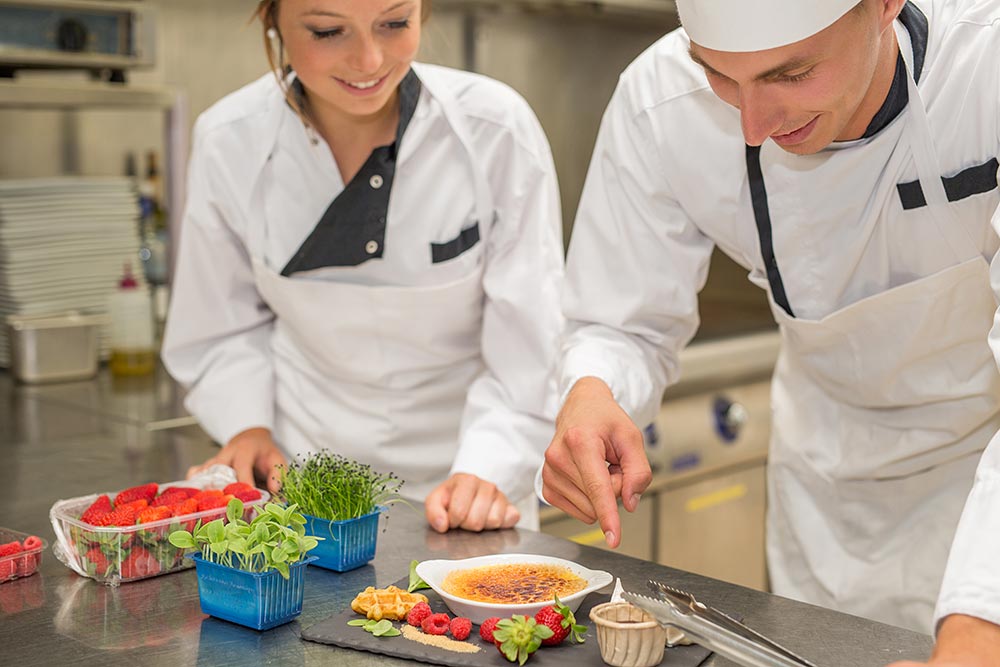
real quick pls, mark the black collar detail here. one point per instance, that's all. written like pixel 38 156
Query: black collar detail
pixel 352 230
pixel 915 23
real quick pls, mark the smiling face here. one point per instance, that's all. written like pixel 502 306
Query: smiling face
pixel 813 92
pixel 350 55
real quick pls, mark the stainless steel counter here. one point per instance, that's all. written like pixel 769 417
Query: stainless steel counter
pixel 54 447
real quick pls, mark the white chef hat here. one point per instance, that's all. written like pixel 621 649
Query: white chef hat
pixel 755 25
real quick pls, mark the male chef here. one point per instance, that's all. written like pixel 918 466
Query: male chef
pixel 844 153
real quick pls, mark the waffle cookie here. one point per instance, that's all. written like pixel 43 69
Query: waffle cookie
pixel 392 603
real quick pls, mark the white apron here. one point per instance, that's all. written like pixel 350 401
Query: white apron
pixel 378 373
pixel 880 413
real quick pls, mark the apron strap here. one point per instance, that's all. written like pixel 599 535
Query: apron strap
pixel 486 210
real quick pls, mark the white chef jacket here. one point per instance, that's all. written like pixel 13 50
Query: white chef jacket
pixel 669 180
pixel 256 171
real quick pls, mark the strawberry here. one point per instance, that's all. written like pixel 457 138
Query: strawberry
pixel 123 516
pixel 140 563
pixel 518 637
pixel 213 502
pixel 188 491
pixel 460 628
pixel 436 624
pixel 96 563
pixel 560 620
pixel 208 493
pixel 137 505
pixel 237 486
pixel 146 492
pixel 487 628
pixel 418 613
pixel 168 498
pixel 189 506
pixel 248 495
pixel 97 509
pixel 151 514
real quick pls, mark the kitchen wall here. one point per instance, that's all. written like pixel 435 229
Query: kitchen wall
pixel 566 67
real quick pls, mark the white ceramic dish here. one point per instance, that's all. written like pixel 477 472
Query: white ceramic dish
pixel 435 571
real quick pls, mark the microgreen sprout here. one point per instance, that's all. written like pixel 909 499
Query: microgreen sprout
pixel 333 487
pixel 275 539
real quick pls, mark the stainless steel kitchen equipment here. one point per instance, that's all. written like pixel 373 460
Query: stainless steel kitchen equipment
pixel 713 629
pixel 91 35
pixel 54 348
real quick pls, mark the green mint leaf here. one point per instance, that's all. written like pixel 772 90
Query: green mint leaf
pixel 416 583
pixel 382 627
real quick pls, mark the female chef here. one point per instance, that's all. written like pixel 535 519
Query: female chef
pixel 369 263
pixel 851 152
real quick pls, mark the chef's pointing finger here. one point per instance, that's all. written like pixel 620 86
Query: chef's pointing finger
pixel 588 454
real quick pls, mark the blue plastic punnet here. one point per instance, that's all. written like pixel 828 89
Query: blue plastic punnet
pixel 347 544
pixel 258 600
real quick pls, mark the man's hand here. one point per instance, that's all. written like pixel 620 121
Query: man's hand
pixel 963 641
pixel 249 452
pixel 595 457
pixel 468 502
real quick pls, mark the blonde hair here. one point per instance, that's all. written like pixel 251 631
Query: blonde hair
pixel 267 13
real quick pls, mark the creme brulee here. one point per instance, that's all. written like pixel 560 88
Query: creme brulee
pixel 518 583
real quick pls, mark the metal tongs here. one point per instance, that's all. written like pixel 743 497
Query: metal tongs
pixel 714 630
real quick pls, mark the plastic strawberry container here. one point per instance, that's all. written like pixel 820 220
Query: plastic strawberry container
pixel 25 562
pixel 115 555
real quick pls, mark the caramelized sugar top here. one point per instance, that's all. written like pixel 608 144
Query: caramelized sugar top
pixel 519 583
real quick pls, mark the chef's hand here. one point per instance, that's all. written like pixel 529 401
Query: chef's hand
pixel 963 641
pixel 595 457
pixel 471 503
pixel 249 452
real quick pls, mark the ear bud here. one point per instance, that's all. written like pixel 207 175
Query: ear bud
pixel 272 33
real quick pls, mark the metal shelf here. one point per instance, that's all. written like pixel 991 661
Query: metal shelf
pixel 69 96
pixel 83 94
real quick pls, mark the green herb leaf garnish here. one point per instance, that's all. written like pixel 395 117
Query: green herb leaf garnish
pixel 382 628
pixel 416 583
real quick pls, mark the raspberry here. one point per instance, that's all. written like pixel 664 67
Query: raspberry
pixel 486 629
pixel 436 624
pixel 461 628
pixel 418 613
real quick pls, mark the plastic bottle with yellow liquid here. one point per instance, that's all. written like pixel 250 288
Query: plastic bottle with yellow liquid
pixel 133 350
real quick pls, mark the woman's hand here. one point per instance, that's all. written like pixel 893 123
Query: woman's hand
pixel 250 453
pixel 468 502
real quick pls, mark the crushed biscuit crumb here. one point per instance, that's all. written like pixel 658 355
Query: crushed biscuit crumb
pixel 440 641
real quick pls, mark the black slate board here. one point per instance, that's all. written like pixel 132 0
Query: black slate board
pixel 335 631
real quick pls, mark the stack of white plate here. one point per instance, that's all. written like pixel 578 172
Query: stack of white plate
pixel 64 243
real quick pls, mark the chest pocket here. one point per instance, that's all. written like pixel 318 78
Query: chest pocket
pixel 466 239
pixel 975 180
